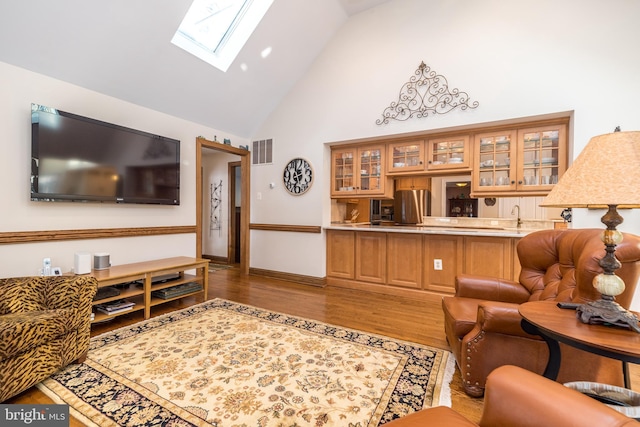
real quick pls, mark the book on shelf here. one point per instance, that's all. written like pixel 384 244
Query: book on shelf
pixel 114 307
pixel 111 312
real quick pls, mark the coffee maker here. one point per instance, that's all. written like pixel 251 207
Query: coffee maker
pixel 380 210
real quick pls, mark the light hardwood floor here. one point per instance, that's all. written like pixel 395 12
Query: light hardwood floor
pixel 399 317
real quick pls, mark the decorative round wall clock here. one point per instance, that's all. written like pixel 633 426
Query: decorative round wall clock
pixel 297 176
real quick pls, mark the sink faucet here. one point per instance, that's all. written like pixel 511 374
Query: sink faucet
pixel 513 211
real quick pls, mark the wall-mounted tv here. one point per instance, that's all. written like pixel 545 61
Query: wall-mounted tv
pixel 79 159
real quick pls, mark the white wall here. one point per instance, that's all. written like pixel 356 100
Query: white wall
pixel 19 89
pixel 516 58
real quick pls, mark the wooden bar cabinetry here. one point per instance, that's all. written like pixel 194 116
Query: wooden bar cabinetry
pixel 523 158
pixel 489 256
pixel 400 263
pixel 519 161
pixel 360 171
pixel 413 183
pixel 450 251
pixel 452 153
pixel 371 255
pixel 406 156
pixel 341 254
pixel 404 260
pixel 139 280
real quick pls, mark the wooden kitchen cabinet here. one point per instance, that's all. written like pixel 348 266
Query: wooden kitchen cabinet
pixel 448 250
pixel 542 157
pixel 359 172
pixel 371 257
pixel 453 153
pixel 341 249
pixel 405 156
pixel 413 183
pixel 415 264
pixel 525 162
pixel 489 256
pixel 494 167
pixel 404 262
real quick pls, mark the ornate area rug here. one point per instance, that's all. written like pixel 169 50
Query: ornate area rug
pixel 216 267
pixel 221 363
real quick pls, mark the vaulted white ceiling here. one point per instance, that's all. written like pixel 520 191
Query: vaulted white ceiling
pixel 122 48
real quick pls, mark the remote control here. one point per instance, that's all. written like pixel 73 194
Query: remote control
pixel 569 305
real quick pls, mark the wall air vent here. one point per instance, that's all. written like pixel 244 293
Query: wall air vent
pixel 262 153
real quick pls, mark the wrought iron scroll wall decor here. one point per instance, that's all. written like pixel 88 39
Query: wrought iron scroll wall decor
pixel 427 92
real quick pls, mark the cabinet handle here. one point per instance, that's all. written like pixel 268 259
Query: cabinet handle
pixel 421 162
pixel 519 182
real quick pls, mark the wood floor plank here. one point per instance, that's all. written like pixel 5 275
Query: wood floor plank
pixel 393 316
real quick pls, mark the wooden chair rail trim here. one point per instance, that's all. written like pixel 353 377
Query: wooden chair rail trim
pixel 284 227
pixel 90 233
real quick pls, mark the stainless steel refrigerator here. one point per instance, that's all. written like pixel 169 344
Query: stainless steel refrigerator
pixel 411 205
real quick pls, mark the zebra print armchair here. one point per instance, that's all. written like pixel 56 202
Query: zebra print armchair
pixel 45 324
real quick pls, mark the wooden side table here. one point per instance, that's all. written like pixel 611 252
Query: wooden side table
pixel 557 325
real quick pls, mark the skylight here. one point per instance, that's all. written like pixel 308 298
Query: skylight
pixel 216 30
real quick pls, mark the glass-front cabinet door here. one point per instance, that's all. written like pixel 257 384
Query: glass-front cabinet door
pixel 371 170
pixel 406 156
pixel 541 157
pixel 526 161
pixel 358 171
pixel 494 163
pixel 343 171
pixel 448 153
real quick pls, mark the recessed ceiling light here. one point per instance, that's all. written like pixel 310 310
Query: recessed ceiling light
pixel 266 52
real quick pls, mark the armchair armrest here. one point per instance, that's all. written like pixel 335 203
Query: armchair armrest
pixel 517 397
pixel 490 288
pixel 501 318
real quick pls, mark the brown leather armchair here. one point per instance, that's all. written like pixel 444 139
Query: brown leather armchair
pixel 516 397
pixel 482 323
pixel 45 324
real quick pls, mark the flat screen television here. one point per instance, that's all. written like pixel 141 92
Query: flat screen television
pixel 79 159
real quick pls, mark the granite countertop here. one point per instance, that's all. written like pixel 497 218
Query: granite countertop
pixel 493 227
pixel 424 229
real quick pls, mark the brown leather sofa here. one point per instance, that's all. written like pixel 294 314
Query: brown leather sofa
pixel 45 324
pixel 517 397
pixel 482 323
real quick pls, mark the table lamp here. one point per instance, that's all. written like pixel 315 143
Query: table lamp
pixel 606 173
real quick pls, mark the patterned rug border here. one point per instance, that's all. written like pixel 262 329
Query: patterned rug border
pixel 445 365
pixel 219 267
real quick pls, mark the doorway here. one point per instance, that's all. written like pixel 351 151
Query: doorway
pixel 240 183
pixel 234 254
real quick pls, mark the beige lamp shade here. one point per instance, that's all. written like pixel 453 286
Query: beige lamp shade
pixel 607 172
